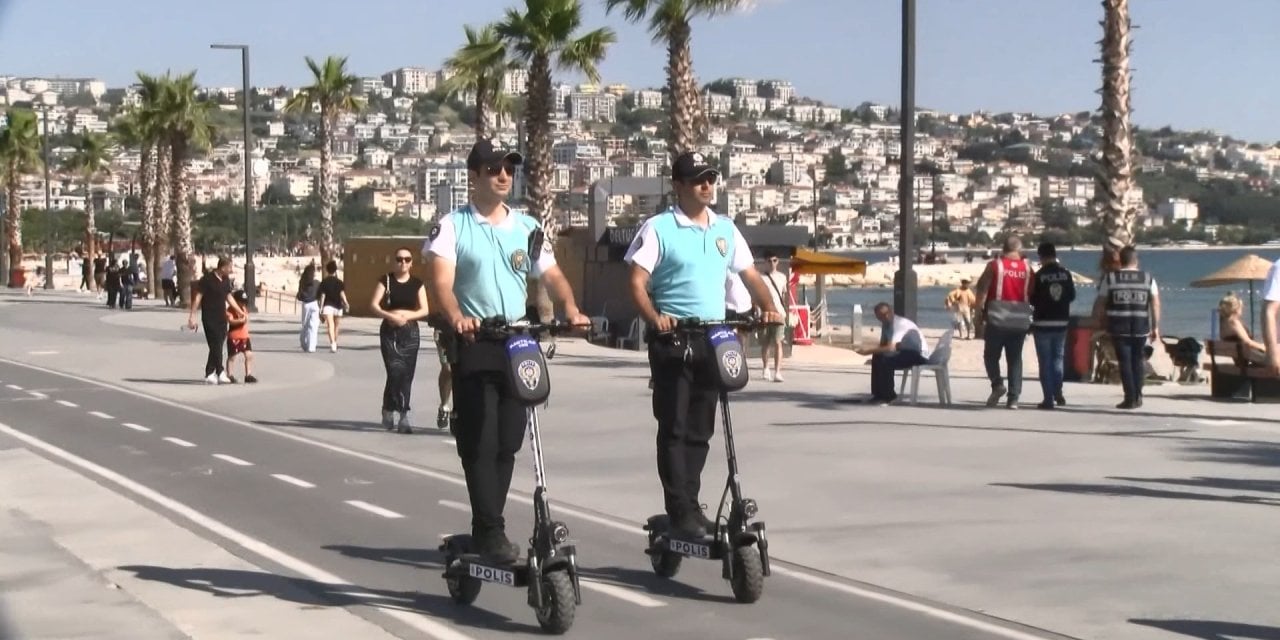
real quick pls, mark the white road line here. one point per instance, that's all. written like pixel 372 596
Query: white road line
pixel 135 427
pixel 374 509
pixel 633 528
pixel 37 394
pixel 1218 423
pixel 14 387
pixel 99 414
pixel 455 505
pixel 626 595
pixel 233 460
pixel 293 481
pixel 180 442
pixel 67 403
pixel 42 353
pixel 412 619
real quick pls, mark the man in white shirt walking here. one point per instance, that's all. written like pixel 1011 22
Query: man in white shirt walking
pixel 168 275
pixel 771 336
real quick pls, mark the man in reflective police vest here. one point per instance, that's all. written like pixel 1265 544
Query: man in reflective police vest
pixel 1128 307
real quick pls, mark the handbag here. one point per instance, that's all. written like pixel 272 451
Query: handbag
pixel 1007 314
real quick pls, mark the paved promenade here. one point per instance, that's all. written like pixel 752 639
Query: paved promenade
pixel 1086 522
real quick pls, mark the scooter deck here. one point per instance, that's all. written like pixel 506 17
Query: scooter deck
pixel 473 565
pixel 709 547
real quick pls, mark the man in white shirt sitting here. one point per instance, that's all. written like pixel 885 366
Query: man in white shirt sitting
pixel 902 346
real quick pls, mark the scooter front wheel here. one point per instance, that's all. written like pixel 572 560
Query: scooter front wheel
pixel 558 604
pixel 748 575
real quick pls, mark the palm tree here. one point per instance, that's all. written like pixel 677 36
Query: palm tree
pixel 139 129
pixel 669 24
pixel 186 127
pixel 546 32
pixel 1115 178
pixel 90 160
pixel 19 154
pixel 334 91
pixel 478 68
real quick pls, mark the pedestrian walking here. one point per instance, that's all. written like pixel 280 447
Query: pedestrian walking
pixel 99 274
pixel 212 296
pixel 308 292
pixel 238 342
pixel 333 303
pixel 960 302
pixel 168 281
pixel 770 336
pixel 1128 306
pixel 86 283
pixel 111 282
pixel 128 280
pixel 1053 289
pixel 1004 288
pixel 400 299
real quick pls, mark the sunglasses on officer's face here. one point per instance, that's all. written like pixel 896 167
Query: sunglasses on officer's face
pixel 404 259
pixel 495 170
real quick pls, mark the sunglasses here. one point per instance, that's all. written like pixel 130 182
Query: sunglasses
pixel 404 259
pixel 498 169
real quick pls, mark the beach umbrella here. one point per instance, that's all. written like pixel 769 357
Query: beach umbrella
pixel 1248 269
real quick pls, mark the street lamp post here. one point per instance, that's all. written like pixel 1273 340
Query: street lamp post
pixel 904 281
pixel 48 199
pixel 250 284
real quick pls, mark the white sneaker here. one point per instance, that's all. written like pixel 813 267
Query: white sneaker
pixel 768 375
pixel 211 379
pixel 777 376
pixel 333 348
pixel 223 378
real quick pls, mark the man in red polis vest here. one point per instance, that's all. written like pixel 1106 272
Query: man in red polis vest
pixel 1004 293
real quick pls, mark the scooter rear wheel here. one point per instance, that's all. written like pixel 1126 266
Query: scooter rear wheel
pixel 464 589
pixel 665 563
pixel 748 575
pixel 558 605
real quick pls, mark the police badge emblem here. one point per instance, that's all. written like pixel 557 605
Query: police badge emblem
pixel 732 363
pixel 530 373
pixel 519 260
pixel 722 246
pixel 435 232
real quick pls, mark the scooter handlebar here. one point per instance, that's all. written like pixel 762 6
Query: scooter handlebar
pixel 498 328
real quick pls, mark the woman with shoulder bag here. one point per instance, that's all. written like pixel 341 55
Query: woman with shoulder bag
pixel 308 289
pixel 400 299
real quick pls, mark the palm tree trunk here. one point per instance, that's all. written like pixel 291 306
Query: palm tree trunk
pixel 538 163
pixel 1115 178
pixel 180 210
pixel 13 221
pixel 90 220
pixel 482 111
pixel 684 103
pixel 328 197
pixel 150 231
pixel 160 198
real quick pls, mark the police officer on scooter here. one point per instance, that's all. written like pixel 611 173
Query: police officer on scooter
pixel 680 259
pixel 480 257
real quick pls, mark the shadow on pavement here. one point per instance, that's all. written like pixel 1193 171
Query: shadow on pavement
pixel 420 558
pixel 651 583
pixel 1136 433
pixel 1213 629
pixel 1258 454
pixel 184 381
pixel 353 425
pixel 1227 484
pixel 1129 491
pixel 232 583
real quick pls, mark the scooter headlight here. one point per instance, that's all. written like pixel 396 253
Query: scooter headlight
pixel 749 508
pixel 559 532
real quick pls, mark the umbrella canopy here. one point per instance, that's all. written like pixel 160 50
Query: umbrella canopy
pixel 1246 269
pixel 806 261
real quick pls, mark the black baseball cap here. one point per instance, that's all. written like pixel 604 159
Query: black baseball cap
pixel 485 153
pixel 691 165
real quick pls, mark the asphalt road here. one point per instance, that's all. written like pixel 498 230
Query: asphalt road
pixel 359 530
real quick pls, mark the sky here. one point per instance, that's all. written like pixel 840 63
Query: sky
pixel 1196 64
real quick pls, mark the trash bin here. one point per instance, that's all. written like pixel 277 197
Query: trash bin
pixel 17 278
pixel 1077 365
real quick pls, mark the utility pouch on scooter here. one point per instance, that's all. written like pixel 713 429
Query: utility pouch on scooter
pixel 730 365
pixel 528 370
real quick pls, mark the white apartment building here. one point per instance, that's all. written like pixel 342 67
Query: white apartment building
pixel 299 185
pixel 595 107
pixel 780 90
pixel 716 104
pixel 734 201
pixel 515 82
pixel 646 99
pixel 751 105
pixel 371 85
pixel 1179 211
pixel 642 167
pixel 411 80
pixel 733 163
pixel 450 196
pixel 743 88
pixel 572 151
pixel 591 171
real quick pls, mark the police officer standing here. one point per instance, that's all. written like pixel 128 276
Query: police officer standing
pixel 1128 306
pixel 679 261
pixel 480 258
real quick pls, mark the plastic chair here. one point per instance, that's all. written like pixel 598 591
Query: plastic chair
pixel 599 329
pixel 939 364
pixel 635 335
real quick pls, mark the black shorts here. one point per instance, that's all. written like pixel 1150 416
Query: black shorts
pixel 237 346
pixel 167 284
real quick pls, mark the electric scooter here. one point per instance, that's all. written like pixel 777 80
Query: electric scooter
pixel 550 569
pixel 738 542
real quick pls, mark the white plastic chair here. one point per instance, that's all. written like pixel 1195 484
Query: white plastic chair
pixel 939 364
pixel 635 335
pixel 599 329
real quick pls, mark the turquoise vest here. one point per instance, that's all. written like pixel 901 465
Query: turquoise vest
pixel 693 262
pixel 493 265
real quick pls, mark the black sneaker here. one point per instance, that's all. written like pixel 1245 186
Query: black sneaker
pixel 232 378
pixel 1127 404
pixel 1137 402
pixel 1059 400
pixel 442 419
pixel 688 526
pixel 708 524
pixel 1045 405
pixel 249 379
pixel 494 546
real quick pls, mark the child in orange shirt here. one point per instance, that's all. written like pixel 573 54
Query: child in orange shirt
pixel 238 337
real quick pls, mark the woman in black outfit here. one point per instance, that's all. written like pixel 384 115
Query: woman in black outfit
pixel 400 300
